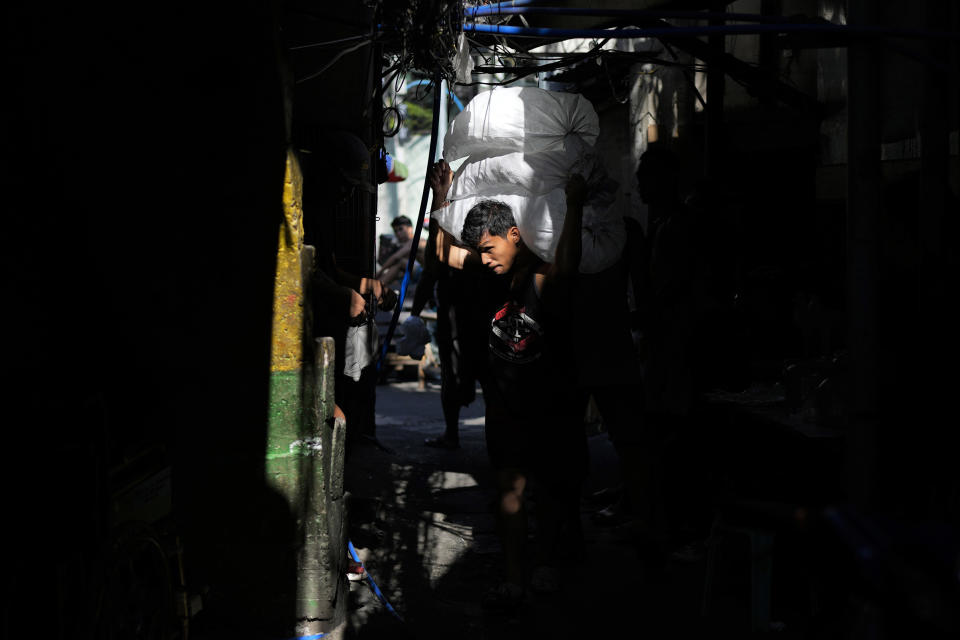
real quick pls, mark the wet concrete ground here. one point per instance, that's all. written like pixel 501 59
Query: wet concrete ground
pixel 422 522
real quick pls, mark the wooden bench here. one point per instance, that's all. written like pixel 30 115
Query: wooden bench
pixel 398 362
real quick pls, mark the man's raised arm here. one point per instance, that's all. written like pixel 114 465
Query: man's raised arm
pixel 445 248
pixel 567 260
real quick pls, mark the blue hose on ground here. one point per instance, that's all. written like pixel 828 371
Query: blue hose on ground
pixel 416 234
pixel 373 585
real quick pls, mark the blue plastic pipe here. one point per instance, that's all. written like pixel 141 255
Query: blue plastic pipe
pixel 731 29
pixel 496 10
pixel 499 5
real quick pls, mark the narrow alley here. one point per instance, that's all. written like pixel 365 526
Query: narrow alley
pixel 698 253
pixel 422 522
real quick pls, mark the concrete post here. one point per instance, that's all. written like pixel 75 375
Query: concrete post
pixel 321 570
pixel 304 448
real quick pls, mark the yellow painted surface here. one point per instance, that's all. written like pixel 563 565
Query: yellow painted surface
pixel 287 347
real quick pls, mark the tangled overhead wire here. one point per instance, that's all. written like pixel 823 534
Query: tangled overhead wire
pixel 416 35
pixel 423 34
pixel 392 121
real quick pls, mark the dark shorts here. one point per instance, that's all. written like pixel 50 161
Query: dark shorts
pixel 548 438
pixel 463 320
pixel 460 341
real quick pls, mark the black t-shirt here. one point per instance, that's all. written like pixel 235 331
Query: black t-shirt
pixel 526 373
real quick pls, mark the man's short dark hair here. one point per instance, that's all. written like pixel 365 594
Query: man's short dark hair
pixel 487 215
pixel 401 221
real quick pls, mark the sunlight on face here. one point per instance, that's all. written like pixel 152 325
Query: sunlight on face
pixel 499 253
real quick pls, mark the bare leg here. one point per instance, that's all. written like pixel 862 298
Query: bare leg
pixel 450 402
pixel 512 522
pixel 451 416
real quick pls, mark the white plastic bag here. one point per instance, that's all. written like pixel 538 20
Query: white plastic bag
pixel 524 144
pixel 525 173
pixel 360 348
pixel 508 119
